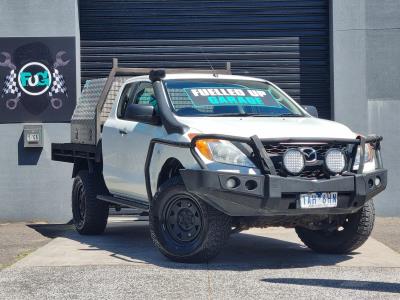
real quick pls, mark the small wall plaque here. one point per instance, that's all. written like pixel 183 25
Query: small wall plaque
pixel 33 136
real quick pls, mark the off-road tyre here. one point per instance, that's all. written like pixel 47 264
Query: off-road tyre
pixel 171 206
pixel 89 214
pixel 356 230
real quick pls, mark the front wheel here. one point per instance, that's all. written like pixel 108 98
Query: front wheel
pixel 350 235
pixel 183 227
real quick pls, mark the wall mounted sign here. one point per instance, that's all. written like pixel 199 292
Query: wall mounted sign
pixel 33 136
pixel 37 79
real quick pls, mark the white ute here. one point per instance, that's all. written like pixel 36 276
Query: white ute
pixel 207 153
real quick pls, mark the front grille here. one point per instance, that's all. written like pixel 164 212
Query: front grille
pixel 280 149
pixel 316 172
pixel 313 170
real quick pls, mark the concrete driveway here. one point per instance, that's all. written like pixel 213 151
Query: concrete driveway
pixel 262 264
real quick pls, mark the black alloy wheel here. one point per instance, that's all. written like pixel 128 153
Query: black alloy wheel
pixel 184 227
pixel 345 237
pixel 80 207
pixel 89 214
pixel 183 219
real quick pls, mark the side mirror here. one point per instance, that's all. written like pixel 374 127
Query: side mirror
pixel 142 113
pixel 312 110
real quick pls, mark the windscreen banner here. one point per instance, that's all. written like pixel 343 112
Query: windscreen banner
pixel 37 79
pixel 230 96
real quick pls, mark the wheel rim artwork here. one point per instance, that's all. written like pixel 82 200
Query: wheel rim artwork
pixel 183 219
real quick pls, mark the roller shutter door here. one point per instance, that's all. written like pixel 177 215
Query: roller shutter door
pixel 284 41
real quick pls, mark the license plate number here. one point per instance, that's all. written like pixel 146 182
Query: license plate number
pixel 318 200
pixel 32 138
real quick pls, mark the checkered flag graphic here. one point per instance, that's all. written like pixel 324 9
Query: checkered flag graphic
pixel 10 85
pixel 58 86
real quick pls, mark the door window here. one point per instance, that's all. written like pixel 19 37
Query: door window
pixel 126 98
pixel 137 93
pixel 145 95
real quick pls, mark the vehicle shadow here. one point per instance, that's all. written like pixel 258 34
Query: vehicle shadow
pixel 130 242
pixel 361 285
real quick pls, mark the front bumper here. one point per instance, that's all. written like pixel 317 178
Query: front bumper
pixel 271 195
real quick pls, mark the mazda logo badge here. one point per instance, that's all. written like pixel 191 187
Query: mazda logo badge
pixel 309 153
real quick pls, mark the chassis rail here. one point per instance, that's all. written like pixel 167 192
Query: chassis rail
pixel 70 152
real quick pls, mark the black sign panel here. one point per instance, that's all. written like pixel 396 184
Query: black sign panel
pixel 37 79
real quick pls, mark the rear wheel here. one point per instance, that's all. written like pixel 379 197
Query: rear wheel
pixel 183 227
pixel 347 237
pixel 89 214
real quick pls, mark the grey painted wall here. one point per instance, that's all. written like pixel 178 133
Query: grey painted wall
pixel 32 186
pixel 366 79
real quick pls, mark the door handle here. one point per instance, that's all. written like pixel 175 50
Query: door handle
pixel 123 131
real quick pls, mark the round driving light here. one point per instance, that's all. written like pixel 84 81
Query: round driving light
pixel 293 161
pixel 335 161
pixel 232 183
pixel 377 181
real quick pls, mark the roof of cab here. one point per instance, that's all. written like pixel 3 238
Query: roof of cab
pixel 200 76
pixel 209 76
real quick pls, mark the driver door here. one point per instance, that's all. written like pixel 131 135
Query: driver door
pixel 125 146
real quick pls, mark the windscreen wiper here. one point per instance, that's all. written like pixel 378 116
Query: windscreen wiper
pixel 238 114
pixel 254 115
pixel 288 115
pixel 280 115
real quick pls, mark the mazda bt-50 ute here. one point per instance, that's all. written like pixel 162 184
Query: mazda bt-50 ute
pixel 207 153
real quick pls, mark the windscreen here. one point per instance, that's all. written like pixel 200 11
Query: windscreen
pixel 217 97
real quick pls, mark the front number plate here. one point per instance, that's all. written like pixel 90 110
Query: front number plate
pixel 318 200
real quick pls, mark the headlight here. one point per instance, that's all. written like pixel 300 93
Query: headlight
pixel 369 159
pixel 293 161
pixel 335 161
pixel 223 152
